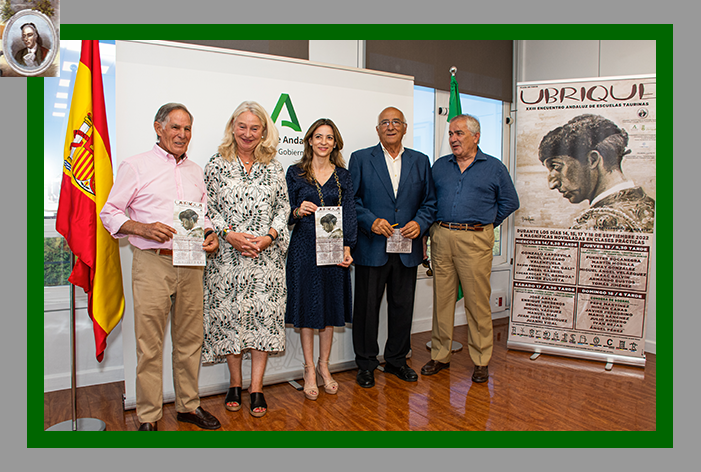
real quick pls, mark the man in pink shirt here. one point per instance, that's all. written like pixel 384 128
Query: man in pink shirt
pixel 140 207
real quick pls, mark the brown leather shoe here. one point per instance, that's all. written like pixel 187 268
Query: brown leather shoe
pixel 148 427
pixel 200 418
pixel 481 374
pixel 433 367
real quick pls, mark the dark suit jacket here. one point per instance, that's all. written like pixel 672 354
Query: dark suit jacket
pixel 374 198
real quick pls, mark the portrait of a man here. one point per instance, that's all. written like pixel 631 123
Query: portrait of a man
pixel 328 222
pixel 33 53
pixel 31 45
pixel 583 159
pixel 188 218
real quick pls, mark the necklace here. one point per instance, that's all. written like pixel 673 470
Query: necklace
pixel 246 168
pixel 318 188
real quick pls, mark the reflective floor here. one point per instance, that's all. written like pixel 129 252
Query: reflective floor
pixel 548 394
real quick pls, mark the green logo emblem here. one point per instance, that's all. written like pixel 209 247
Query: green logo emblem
pixel 285 100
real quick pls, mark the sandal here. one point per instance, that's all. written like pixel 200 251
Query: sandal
pixel 233 395
pixel 258 401
pixel 330 387
pixel 310 391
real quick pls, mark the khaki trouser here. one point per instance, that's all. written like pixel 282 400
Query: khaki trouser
pixel 159 286
pixel 465 258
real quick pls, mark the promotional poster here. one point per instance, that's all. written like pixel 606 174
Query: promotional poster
pixel 585 176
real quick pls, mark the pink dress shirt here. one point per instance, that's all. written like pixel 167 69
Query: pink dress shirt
pixel 146 187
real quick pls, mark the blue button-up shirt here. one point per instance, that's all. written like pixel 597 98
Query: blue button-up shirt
pixel 483 194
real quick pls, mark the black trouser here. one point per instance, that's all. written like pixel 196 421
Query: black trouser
pixel 369 287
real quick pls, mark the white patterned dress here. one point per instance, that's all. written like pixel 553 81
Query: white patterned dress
pixel 244 298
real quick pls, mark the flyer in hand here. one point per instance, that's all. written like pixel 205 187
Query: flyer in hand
pixel 398 243
pixel 329 235
pixel 188 221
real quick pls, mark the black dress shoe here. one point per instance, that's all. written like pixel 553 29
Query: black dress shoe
pixel 200 418
pixel 148 427
pixel 481 374
pixel 365 378
pixel 404 372
pixel 433 367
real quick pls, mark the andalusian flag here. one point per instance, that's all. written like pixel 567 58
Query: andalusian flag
pixel 87 180
pixel 454 109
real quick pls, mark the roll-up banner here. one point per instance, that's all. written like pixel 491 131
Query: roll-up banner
pixel 585 175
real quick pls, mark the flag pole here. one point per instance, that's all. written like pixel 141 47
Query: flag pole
pixel 456 346
pixel 79 424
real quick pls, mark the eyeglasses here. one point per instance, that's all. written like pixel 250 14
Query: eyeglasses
pixel 395 123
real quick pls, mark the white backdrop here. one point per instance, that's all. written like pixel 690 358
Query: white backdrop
pixel 212 82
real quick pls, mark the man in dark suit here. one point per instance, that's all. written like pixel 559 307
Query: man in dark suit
pixel 393 189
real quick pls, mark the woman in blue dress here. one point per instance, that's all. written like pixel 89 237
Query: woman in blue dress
pixel 319 297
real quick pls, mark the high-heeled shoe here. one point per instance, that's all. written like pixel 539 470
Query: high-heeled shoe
pixel 330 387
pixel 310 391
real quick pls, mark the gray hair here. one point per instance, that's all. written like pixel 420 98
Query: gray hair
pixel 163 114
pixel 472 123
pixel 391 108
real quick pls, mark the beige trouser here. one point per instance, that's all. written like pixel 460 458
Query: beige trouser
pixel 462 258
pixel 159 286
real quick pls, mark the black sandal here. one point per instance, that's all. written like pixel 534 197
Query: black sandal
pixel 233 396
pixel 258 401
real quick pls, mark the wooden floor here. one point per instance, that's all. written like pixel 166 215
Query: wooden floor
pixel 548 394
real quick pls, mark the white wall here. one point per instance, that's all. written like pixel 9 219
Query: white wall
pixel 552 60
pixel 348 53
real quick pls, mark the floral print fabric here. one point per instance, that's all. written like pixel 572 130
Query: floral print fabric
pixel 244 297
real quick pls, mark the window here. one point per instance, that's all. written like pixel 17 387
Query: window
pixel 424 120
pixel 489 113
pixel 57 263
pixel 58 92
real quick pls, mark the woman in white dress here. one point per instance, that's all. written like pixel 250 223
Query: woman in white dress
pixel 245 290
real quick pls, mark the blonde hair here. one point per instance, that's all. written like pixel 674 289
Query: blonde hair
pixel 266 149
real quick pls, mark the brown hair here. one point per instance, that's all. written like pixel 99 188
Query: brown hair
pixel 335 158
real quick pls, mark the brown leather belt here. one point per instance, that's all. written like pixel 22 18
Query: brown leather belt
pixel 163 252
pixel 461 226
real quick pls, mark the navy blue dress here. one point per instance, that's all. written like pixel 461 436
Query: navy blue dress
pixel 318 296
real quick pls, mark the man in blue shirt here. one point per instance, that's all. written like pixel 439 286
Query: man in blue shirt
pixel 475 194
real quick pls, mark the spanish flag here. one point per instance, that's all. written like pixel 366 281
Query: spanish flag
pixel 87 180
